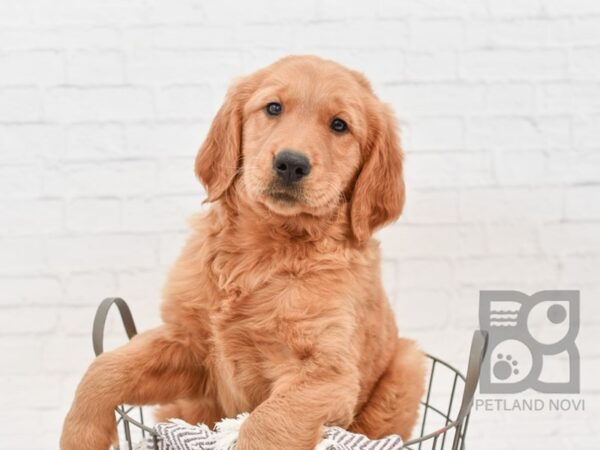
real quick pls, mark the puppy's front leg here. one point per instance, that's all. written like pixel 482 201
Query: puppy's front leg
pixel 320 390
pixel 154 367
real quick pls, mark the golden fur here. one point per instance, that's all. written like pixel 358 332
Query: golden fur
pixel 276 306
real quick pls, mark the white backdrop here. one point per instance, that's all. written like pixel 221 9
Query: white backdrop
pixel 103 104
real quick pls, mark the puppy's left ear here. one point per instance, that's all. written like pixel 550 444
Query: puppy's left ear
pixel 219 158
pixel 378 196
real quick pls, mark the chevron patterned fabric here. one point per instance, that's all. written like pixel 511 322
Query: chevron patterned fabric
pixel 179 435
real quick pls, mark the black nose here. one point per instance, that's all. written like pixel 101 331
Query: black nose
pixel 291 166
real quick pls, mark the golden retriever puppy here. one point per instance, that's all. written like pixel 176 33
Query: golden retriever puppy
pixel 276 305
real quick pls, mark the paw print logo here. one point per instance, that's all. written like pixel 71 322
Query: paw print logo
pixel 511 362
pixel 505 367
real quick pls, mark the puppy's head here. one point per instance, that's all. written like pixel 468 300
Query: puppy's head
pixel 303 136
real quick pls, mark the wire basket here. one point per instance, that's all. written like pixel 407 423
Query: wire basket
pixel 441 427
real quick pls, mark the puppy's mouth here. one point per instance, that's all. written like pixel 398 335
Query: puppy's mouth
pixel 284 194
pixel 285 197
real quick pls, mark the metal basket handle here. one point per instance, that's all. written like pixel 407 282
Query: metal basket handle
pixel 98 342
pixel 478 349
pixel 100 322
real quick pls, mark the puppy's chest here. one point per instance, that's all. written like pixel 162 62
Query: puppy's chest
pixel 258 335
pixel 265 323
pixel 268 315
pixel 271 304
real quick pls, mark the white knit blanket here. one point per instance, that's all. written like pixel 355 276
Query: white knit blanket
pixel 179 435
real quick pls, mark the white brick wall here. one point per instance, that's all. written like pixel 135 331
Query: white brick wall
pixel 104 103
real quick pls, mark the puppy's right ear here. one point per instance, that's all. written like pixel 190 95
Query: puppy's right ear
pixel 219 158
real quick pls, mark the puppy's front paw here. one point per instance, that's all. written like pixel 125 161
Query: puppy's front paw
pixel 263 431
pixel 249 437
pixel 82 432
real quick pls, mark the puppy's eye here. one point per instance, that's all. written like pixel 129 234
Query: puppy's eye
pixel 338 125
pixel 274 109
